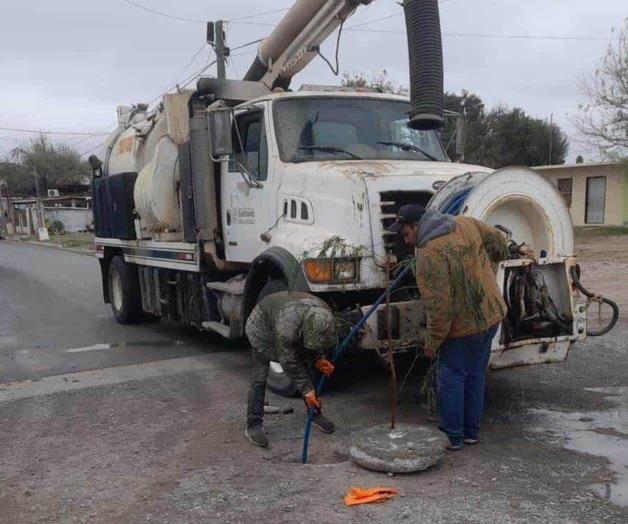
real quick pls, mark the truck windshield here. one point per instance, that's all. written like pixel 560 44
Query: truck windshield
pixel 313 129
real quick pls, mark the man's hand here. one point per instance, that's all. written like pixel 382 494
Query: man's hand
pixel 324 366
pixel 312 401
pixel 527 251
pixel 429 353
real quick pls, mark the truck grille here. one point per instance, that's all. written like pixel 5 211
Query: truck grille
pixel 390 202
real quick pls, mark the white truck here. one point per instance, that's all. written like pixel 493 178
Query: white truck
pixel 219 196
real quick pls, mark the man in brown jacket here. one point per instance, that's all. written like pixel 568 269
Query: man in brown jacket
pixel 464 305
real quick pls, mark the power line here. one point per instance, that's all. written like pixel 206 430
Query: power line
pixel 373 21
pixel 107 128
pixel 161 13
pixel 258 14
pixel 247 44
pixel 44 132
pixel 488 35
pixel 94 148
pixel 196 20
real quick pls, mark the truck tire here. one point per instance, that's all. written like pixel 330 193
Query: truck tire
pixel 277 381
pixel 124 291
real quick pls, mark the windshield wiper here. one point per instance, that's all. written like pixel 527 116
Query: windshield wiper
pixel 409 147
pixel 330 149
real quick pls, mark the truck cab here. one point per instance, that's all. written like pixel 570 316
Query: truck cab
pixel 301 198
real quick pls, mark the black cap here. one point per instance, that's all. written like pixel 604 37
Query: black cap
pixel 409 214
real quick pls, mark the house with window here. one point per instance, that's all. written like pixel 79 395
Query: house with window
pixel 597 194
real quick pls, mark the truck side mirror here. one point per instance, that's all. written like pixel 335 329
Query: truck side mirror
pixel 219 127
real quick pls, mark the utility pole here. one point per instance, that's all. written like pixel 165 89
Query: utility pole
pixel 216 38
pixel 42 230
pixel 551 133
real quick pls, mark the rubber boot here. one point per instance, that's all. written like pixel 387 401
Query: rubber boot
pixel 255 416
pixel 256 436
pixel 323 424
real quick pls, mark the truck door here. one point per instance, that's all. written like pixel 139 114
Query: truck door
pixel 244 206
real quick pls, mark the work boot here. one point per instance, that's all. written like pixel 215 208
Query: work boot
pixel 255 405
pixel 323 424
pixel 256 436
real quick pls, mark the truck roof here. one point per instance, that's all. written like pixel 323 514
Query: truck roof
pixel 327 94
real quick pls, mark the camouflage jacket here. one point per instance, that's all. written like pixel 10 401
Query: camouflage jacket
pixel 294 329
pixel 456 279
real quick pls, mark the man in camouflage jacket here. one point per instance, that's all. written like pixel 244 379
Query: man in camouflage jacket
pixel 296 330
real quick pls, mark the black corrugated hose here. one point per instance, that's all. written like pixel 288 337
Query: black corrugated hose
pixel 425 53
pixel 575 272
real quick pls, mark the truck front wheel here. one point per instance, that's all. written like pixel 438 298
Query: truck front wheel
pixel 124 291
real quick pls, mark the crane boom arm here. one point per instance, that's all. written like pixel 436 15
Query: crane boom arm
pixel 297 37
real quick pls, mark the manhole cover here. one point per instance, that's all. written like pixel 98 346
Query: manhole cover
pixel 401 450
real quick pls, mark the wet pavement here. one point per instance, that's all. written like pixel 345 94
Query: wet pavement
pixel 107 423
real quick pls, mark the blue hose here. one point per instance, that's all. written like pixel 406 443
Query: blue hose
pixel 340 349
pixel 453 204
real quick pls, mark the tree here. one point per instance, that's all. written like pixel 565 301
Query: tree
pixel 472 108
pixel 514 138
pixel 380 81
pixel 497 138
pixel 54 165
pixel 19 181
pixel 603 120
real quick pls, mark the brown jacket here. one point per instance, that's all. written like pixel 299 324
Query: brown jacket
pixel 456 278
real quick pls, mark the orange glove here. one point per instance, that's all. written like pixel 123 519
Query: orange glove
pixel 365 495
pixel 324 366
pixel 311 401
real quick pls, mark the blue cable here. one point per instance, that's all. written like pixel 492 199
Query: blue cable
pixel 340 349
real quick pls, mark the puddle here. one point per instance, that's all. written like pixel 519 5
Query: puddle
pixel 598 433
pixel 136 343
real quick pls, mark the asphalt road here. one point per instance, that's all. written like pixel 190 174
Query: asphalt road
pixel 107 423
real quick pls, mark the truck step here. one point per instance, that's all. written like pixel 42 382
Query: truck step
pixel 233 288
pixel 221 329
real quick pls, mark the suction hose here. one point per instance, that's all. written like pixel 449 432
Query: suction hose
pixel 575 275
pixel 425 53
pixel 341 348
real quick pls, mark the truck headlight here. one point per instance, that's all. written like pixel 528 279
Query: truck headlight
pixel 345 270
pixel 326 270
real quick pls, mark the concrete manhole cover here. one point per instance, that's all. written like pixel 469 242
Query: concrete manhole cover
pixel 401 450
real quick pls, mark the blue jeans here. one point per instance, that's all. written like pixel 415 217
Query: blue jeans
pixel 460 374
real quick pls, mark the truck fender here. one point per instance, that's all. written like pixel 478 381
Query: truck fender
pixel 275 263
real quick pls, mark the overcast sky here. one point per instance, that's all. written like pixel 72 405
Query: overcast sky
pixel 66 64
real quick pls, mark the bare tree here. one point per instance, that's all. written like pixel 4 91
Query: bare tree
pixel 603 120
pixel 380 81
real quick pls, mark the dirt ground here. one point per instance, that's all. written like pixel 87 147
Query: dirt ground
pixel 107 423
pixel 604 262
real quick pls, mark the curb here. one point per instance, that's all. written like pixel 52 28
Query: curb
pixel 75 250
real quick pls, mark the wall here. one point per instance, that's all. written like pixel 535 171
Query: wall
pixel 74 219
pixel 616 205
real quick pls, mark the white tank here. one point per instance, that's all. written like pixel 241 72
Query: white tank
pixel 517 198
pixel 146 143
pixel 155 191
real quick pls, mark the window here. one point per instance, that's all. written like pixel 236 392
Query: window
pixel 253 152
pixel 565 186
pixel 311 129
pixel 595 200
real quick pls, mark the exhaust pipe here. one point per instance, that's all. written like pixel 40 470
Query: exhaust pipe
pixel 425 52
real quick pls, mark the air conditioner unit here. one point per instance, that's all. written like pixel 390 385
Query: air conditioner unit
pixel 53 192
